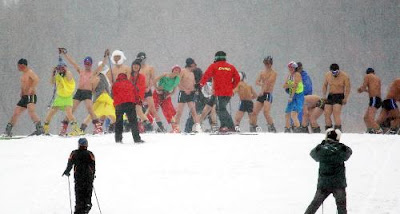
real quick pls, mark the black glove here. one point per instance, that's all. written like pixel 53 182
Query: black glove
pixel 66 174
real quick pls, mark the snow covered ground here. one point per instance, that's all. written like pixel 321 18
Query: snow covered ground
pixel 201 174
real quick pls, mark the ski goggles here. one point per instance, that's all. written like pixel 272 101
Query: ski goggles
pixel 335 73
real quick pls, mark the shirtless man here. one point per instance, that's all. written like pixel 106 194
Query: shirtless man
pixel 29 81
pixel 186 96
pixel 209 109
pixel 85 87
pixel 118 58
pixel 372 85
pixel 246 94
pixel 148 72
pixel 339 91
pixel 313 108
pixel 390 110
pixel 266 80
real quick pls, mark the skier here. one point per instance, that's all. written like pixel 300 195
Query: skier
pixel 209 109
pixel 165 86
pixel 29 81
pixel 339 91
pixel 117 58
pixel 225 79
pixel 139 82
pixel 331 156
pixel 148 72
pixel 84 91
pixel 186 96
pixel 372 85
pixel 199 99
pixel 125 99
pixel 294 84
pixel 64 84
pixel 103 103
pixel 266 80
pixel 246 94
pixel 84 164
pixel 313 108
pixel 390 110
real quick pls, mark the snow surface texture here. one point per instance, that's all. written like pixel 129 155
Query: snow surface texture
pixel 202 174
pixel 355 34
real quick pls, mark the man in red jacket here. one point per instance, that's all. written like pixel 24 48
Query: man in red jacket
pixel 125 98
pixel 225 79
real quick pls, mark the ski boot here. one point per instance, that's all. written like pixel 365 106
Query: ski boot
pixel 327 127
pixel 237 129
pixel 64 128
pixel 46 128
pixel 111 128
pixel 139 141
pixel 271 128
pixel 98 127
pixel 197 128
pixel 338 127
pixel 161 128
pixel 304 129
pixel 297 129
pixel 253 128
pixel 148 127
pixel 316 129
pixel 83 127
pixel 76 131
pixel 214 128
pixel 8 132
pixel 39 129
pixel 392 131
pixel 287 130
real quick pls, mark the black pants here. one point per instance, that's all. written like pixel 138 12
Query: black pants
pixel 130 111
pixel 83 196
pixel 322 194
pixel 224 117
pixel 199 103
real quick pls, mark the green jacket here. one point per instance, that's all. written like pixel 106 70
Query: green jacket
pixel 331 156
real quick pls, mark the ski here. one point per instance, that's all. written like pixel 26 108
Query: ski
pixel 11 138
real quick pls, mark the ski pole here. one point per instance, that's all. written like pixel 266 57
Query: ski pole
pixel 112 75
pixel 98 204
pixel 70 201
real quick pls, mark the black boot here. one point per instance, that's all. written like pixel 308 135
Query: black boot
pixel 338 127
pixel 316 129
pixel 8 133
pixel 147 126
pixel 161 127
pixel 287 130
pixel 327 127
pixel 83 127
pixel 304 129
pixel 111 128
pixel 271 128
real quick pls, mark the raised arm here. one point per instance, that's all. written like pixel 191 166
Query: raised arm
pixel 70 60
pixel 103 63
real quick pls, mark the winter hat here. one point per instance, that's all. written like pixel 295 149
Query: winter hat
pixel 333 134
pixel 370 70
pixel 118 53
pixel 220 56
pixel 141 55
pixel 292 64
pixel 83 142
pixel 189 62
pixel 176 66
pixel 88 59
pixel 23 61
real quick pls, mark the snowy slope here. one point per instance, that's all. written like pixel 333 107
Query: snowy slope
pixel 268 173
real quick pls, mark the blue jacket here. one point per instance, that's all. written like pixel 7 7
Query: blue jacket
pixel 307 83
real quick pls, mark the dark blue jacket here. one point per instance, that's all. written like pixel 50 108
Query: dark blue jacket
pixel 307 83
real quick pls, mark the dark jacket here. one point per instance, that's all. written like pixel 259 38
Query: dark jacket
pixel 331 156
pixel 84 165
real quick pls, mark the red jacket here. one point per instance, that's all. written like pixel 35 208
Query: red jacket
pixel 123 91
pixel 225 78
pixel 139 84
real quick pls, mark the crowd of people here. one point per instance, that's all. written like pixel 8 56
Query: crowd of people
pixel 129 97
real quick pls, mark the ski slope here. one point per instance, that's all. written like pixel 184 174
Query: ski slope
pixel 198 174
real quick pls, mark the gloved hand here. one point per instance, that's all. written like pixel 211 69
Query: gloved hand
pixel 66 174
